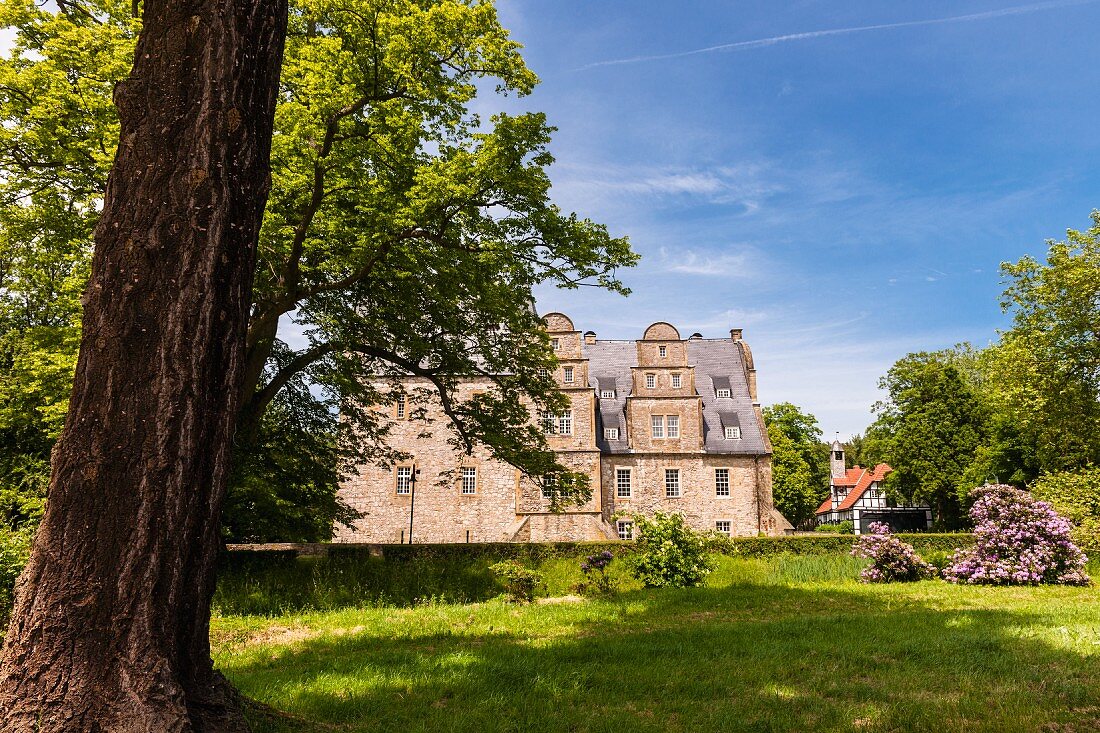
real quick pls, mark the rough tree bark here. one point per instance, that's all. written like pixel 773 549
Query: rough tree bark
pixel 110 627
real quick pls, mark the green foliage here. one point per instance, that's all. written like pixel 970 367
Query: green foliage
pixel 1076 496
pixel 669 554
pixel 929 429
pixel 520 583
pixel 15 549
pixel 400 226
pixel 845 527
pixel 800 463
pixel 1046 375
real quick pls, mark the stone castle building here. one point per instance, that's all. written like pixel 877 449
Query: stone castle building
pixel 660 424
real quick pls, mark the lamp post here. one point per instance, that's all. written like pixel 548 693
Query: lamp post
pixel 412 499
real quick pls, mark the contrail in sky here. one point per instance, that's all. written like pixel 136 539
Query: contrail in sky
pixel 759 42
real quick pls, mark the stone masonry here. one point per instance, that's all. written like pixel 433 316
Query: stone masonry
pixel 660 424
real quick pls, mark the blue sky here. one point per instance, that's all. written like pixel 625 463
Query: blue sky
pixel 845 197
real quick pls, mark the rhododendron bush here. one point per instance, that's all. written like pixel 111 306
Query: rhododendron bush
pixel 891 559
pixel 1019 541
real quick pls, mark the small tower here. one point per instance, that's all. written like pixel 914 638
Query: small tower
pixel 836 458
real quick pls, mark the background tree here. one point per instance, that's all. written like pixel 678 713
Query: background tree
pixel 110 629
pixel 800 463
pixel 1045 373
pixel 399 224
pixel 929 429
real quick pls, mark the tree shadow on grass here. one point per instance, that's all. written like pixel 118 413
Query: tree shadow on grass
pixel 739 658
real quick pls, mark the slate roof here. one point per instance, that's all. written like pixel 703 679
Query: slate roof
pixel 718 359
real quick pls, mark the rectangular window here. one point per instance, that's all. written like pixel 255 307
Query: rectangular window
pixel 611 433
pixel 469 480
pixel 650 381
pixel 658 423
pixel 673 423
pixel 544 373
pixel 622 483
pixel 549 423
pixel 722 526
pixel 401 407
pixel 607 394
pixel 672 483
pixel 567 373
pixel 555 344
pixel 733 433
pixel 721 482
pixel 565 423
pixel 662 351
pixel 626 530
pixel 404 479
pixel 721 393
pixel 676 381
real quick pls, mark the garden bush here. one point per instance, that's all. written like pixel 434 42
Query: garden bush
pixel 596 580
pixel 845 527
pixel 1076 496
pixel 891 559
pixel 520 583
pixel 1019 540
pixel 668 553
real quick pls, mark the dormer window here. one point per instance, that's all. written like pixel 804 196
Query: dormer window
pixel 650 381
pixel 611 433
pixel 721 393
pixel 607 394
pixel 662 351
pixel 722 387
pixel 733 433
pixel 567 375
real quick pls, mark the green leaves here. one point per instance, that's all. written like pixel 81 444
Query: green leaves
pixel 800 462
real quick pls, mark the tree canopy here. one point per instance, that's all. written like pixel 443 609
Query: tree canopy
pixel 403 235
pixel 800 461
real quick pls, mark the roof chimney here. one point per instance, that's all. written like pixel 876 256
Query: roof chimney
pixel 735 334
pixel 590 337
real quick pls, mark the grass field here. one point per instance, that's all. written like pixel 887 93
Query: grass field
pixel 779 644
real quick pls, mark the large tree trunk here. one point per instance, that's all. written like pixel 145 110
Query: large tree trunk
pixel 110 627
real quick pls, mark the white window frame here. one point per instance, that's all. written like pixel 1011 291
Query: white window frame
pixel 727 530
pixel 672 426
pixel 549 423
pixel 403 480
pixel 548 483
pixel 733 432
pixel 565 423
pixel 607 394
pixel 651 381
pixel 620 484
pixel 722 485
pixel 662 351
pixel 611 433
pixel 625 529
pixel 567 374
pixel 555 344
pixel 676 380
pixel 469 480
pixel 722 393
pixel 673 489
pixel 657 425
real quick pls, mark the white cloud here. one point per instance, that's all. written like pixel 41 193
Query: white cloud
pixel 690 262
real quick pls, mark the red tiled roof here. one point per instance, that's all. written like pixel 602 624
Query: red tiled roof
pixel 860 479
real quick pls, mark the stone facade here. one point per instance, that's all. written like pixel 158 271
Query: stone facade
pixel 659 424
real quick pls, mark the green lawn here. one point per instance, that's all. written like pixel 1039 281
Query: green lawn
pixel 781 644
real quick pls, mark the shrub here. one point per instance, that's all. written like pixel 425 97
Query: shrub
pixel 15 548
pixel 596 580
pixel 519 582
pixel 1018 541
pixel 1076 496
pixel 845 527
pixel 669 553
pixel 891 559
